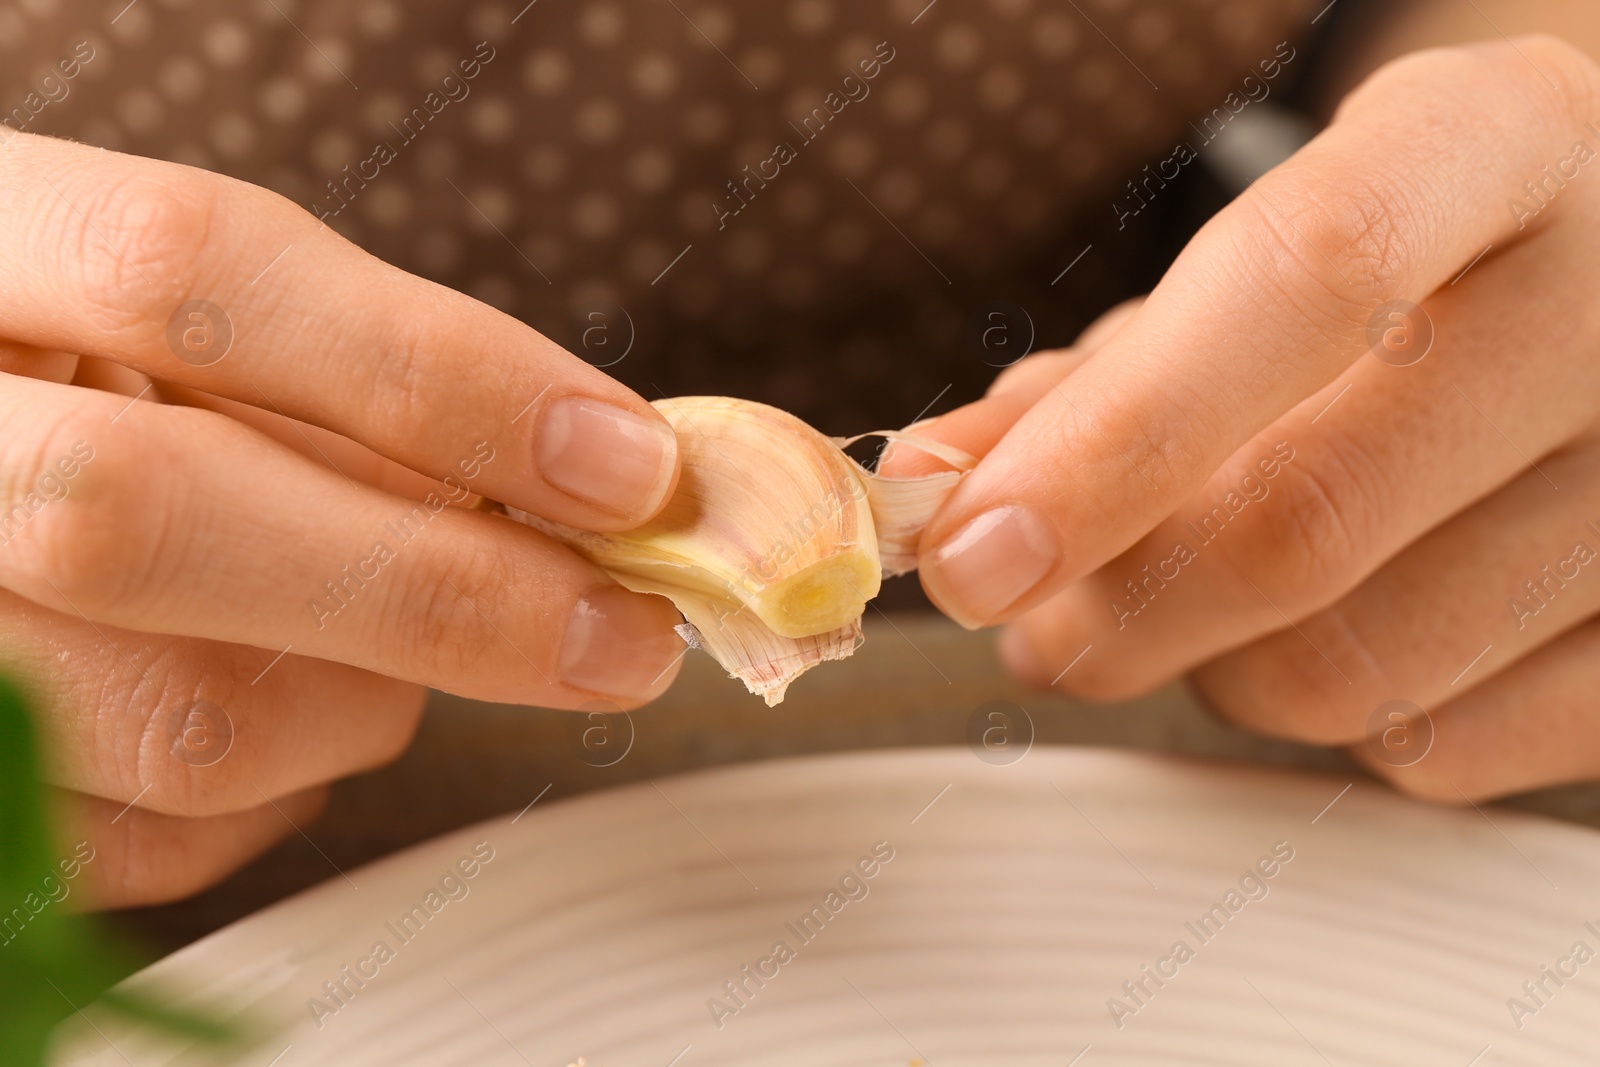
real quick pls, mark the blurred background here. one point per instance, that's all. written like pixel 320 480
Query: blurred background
pixel 607 158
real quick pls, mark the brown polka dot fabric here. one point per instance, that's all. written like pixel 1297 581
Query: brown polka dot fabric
pixel 800 201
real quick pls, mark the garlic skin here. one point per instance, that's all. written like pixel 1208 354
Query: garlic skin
pixel 774 541
pixel 902 507
pixel 765 662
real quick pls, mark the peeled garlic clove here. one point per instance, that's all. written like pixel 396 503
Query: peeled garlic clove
pixel 774 540
pixel 769 515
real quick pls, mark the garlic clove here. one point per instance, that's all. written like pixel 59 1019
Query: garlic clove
pixel 774 541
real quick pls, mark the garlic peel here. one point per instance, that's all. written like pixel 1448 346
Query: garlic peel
pixel 954 457
pixel 775 539
pixel 902 507
pixel 764 661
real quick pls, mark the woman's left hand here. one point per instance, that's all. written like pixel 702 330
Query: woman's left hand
pixel 1326 501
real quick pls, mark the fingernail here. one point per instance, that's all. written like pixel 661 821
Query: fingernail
pixel 989 564
pixel 605 455
pixel 620 643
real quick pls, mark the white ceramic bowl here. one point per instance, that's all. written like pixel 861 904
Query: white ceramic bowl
pixel 1362 929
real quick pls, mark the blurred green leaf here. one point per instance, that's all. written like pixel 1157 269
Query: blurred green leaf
pixel 53 962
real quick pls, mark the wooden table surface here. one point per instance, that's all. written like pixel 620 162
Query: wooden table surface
pixel 918 680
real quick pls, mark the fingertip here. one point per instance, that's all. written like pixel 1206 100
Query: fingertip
pixel 1417 781
pixel 621 646
pixel 131 857
pixel 1021 658
pixel 951 609
pixel 980 573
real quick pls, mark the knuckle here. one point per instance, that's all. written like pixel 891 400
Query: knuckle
pixel 406 383
pixel 176 685
pixel 1095 679
pixel 1532 67
pixel 80 549
pixel 1428 780
pixel 106 545
pixel 1351 233
pixel 1543 60
pixel 138 866
pixel 1159 439
pixel 118 875
pixel 400 379
pixel 1415 75
pixel 65 537
pixel 184 678
pixel 458 593
pixel 40 466
pixel 140 244
pixel 1282 687
pixel 158 860
pixel 1323 535
pixel 1060 633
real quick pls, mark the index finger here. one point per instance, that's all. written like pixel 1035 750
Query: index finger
pixel 199 279
pixel 1268 303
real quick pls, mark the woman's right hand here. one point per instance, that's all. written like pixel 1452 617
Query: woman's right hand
pixel 232 597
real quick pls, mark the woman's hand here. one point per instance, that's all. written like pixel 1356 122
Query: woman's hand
pixel 233 597
pixel 1265 475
